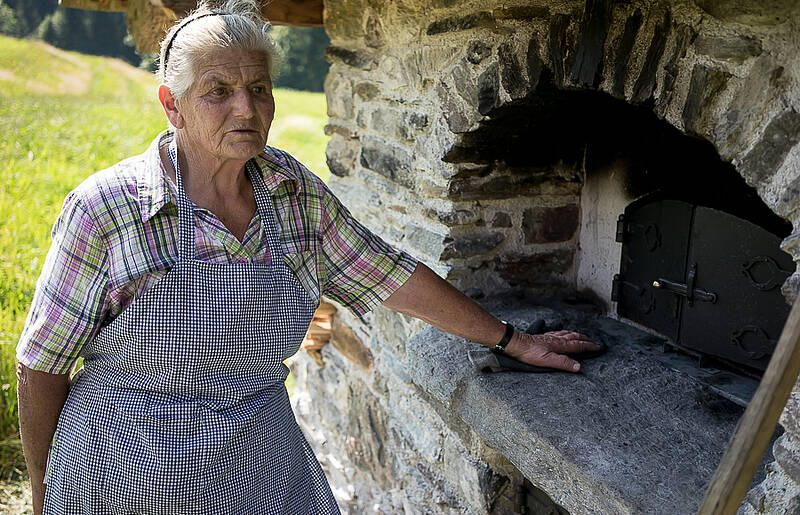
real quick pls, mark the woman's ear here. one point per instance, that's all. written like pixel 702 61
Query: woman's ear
pixel 168 102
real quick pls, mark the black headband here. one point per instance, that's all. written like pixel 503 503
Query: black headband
pixel 181 26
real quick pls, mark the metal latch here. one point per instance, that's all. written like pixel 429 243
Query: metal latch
pixel 686 290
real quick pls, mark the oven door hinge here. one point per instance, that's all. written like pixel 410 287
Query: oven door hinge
pixel 615 285
pixel 620 228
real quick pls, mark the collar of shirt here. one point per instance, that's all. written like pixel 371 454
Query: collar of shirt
pixel 155 191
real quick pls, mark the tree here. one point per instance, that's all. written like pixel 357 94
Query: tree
pixel 89 32
pixel 29 14
pixel 9 23
pixel 303 65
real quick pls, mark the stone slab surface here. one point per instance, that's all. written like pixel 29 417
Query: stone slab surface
pixel 627 435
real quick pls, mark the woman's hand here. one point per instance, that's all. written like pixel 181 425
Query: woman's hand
pixel 428 297
pixel 549 349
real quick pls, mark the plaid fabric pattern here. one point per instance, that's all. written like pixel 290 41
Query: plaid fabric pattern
pixel 116 236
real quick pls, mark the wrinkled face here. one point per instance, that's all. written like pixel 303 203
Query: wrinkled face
pixel 228 110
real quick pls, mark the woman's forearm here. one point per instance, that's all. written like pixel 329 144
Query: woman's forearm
pixel 41 398
pixel 430 298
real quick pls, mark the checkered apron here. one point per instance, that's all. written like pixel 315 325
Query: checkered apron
pixel 181 407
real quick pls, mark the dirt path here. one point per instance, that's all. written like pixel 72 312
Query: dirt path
pixel 15 497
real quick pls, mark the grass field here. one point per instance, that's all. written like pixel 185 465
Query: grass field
pixel 63 116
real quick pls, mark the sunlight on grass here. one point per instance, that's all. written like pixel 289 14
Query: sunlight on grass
pixel 65 116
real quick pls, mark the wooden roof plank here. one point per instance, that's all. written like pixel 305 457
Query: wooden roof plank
pixel 303 13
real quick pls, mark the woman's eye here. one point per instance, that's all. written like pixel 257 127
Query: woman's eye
pixel 218 92
pixel 259 90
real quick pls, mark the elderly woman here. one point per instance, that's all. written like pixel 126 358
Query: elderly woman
pixel 185 277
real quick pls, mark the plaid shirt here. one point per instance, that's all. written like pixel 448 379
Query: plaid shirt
pixel 117 233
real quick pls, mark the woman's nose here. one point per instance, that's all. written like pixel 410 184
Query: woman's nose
pixel 243 103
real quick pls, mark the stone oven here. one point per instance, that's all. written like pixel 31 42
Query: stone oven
pixel 500 142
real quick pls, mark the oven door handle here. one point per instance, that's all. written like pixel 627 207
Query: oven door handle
pixel 684 291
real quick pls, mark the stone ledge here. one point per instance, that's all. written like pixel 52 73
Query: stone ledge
pixel 627 435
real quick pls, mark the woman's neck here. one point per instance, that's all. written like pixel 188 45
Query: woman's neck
pixel 222 188
pixel 204 175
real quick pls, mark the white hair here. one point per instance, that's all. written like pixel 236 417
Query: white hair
pixel 234 24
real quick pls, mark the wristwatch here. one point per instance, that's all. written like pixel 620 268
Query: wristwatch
pixel 500 348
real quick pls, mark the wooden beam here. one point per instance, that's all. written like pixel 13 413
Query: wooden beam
pixel 96 5
pixel 148 19
pixel 301 13
pixel 747 446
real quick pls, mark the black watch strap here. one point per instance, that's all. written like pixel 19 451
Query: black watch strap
pixel 501 347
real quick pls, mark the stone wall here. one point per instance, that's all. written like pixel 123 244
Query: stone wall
pixel 459 133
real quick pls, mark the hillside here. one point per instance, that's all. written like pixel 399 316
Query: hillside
pixel 65 115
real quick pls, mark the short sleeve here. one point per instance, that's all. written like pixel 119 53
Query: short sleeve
pixel 360 269
pixel 69 303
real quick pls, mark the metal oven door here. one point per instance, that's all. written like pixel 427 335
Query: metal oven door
pixel 707 280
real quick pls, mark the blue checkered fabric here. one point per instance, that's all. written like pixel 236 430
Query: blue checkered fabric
pixel 181 407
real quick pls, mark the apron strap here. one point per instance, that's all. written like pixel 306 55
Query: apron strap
pixel 266 210
pixel 186 248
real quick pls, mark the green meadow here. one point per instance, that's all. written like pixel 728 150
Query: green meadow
pixel 64 116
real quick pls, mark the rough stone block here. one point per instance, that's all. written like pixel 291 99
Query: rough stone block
pixel 457 23
pixel 780 136
pixel 787 454
pixel 392 329
pixel 684 35
pixel 791 288
pixel 367 419
pixel 341 156
pixel 472 245
pixel 355 58
pixel 373 32
pixel 511 72
pixel 501 220
pixel 790 417
pixel 504 186
pixel 759 14
pixel 533 271
pixel 534 63
pixel 421 65
pixel 593 30
pixel 705 87
pixel 339 96
pixel 622 52
pixel 349 344
pixel 557 46
pixel 388 160
pixel 646 82
pixel 623 434
pixel 437 369
pixel 488 90
pixel 465 83
pixel 477 51
pixel 455 110
pixel 729 48
pixel 334 128
pixel 403 125
pixel 367 90
pixel 550 224
pixel 425 240
pixel 753 102
pixel 452 218
pixel 521 12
